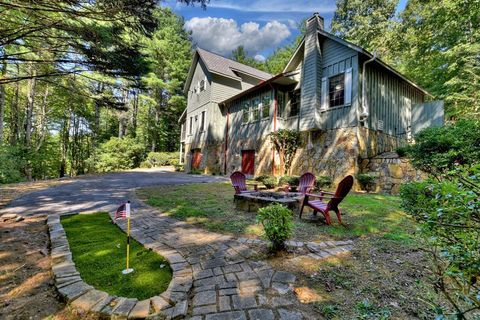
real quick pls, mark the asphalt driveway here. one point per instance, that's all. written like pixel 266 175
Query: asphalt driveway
pixel 97 193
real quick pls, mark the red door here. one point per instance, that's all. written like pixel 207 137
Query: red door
pixel 196 158
pixel 248 161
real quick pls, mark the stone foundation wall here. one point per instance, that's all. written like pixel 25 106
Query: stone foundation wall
pixel 212 157
pixel 332 153
pixel 263 155
pixel 372 143
pixel 391 171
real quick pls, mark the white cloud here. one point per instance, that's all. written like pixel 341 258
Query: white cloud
pixel 224 35
pixel 307 6
pixel 259 58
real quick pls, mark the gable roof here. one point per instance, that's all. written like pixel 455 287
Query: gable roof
pixel 355 48
pixel 223 66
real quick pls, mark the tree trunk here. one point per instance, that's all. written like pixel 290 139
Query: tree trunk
pixel 2 101
pixel 65 137
pixel 42 119
pixel 30 106
pixel 14 114
pixel 134 114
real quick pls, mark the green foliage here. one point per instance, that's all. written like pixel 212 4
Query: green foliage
pixel 277 222
pixel 286 142
pixel 118 154
pixel 270 182
pixel 290 180
pixel 12 161
pixel 98 248
pixel 179 167
pixel 368 310
pixel 366 181
pixel 260 178
pixel 440 150
pixel 402 151
pixel 323 182
pixel 448 214
pixel 241 55
pixel 364 22
pixel 158 159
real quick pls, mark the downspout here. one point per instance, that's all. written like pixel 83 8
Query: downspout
pixel 365 109
pixel 226 141
pixel 275 108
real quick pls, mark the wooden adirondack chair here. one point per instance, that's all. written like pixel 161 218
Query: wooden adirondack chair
pixel 306 183
pixel 343 189
pixel 239 183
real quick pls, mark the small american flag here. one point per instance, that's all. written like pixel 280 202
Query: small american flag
pixel 123 211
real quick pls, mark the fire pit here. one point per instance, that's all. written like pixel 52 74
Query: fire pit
pixel 252 201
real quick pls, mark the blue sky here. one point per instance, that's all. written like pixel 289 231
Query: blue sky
pixel 259 25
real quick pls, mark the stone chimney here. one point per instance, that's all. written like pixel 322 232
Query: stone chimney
pixel 311 75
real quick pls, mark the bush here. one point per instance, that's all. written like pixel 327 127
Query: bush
pixel 402 151
pixel 12 162
pixel 179 167
pixel 448 214
pixel 290 180
pixel 260 178
pixel 118 154
pixel 277 224
pixel 366 181
pixel 270 182
pixel 158 159
pixel 440 150
pixel 323 182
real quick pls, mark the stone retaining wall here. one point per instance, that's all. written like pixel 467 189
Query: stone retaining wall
pixel 391 171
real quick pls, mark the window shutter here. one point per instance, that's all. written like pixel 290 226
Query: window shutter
pixel 348 87
pixel 324 93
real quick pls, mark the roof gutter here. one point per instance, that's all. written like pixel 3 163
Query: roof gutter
pixel 365 109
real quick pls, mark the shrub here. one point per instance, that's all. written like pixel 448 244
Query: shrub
pixel 323 182
pixel 402 151
pixel 179 167
pixel 448 215
pixel 277 224
pixel 286 143
pixel 260 178
pixel 118 154
pixel 158 159
pixel 12 162
pixel 290 180
pixel 440 150
pixel 366 181
pixel 270 182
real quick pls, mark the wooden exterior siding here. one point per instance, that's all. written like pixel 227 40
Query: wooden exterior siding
pixel 197 100
pixel 336 60
pixel 390 99
pixel 253 130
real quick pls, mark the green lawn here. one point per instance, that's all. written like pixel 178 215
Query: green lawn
pixel 212 207
pixel 99 248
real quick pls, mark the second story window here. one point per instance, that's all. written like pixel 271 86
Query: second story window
pixel 202 121
pixel 336 90
pixel 256 109
pixel 202 85
pixel 246 112
pixel 266 106
pixel 281 102
pixel 294 96
pixel 190 128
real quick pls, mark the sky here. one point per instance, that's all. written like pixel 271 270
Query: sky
pixel 259 25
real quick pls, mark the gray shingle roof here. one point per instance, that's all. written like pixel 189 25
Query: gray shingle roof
pixel 224 66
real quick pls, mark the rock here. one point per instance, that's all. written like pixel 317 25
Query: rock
pixel 307 295
pixel 19 218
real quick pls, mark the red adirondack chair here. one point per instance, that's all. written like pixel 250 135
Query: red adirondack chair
pixel 306 183
pixel 238 182
pixel 343 189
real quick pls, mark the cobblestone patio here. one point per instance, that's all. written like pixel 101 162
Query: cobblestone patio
pixel 215 276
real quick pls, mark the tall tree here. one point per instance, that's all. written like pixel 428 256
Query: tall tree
pixel 366 23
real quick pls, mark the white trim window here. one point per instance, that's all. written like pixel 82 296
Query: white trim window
pixel 202 121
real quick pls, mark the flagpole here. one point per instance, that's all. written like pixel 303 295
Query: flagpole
pixel 127 209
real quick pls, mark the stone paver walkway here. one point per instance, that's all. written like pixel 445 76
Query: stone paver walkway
pixel 220 276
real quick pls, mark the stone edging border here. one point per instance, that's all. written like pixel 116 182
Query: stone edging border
pixel 173 302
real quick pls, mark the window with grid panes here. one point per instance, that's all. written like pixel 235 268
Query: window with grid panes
pixel 246 112
pixel 266 106
pixel 336 90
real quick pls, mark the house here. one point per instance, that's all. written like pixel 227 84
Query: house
pixel 348 105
